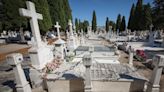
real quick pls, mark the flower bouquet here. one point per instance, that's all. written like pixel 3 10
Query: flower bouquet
pixel 140 55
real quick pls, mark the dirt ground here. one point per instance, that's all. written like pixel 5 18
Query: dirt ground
pixel 142 69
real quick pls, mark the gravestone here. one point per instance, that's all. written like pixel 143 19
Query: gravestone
pixel 153 85
pixel 40 54
pixel 71 42
pixel 82 42
pixel 151 36
pixel 15 60
pixel 59 44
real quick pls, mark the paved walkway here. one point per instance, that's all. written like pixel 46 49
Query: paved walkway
pixel 12 48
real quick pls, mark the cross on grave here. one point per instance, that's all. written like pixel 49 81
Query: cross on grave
pixel 151 27
pixel 57 27
pixel 31 13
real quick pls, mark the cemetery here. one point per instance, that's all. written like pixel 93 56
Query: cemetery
pixel 42 49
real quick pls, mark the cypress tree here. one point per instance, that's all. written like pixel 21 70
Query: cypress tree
pixel 147 16
pixel 94 21
pixel 113 24
pixel 67 10
pixel 1 15
pixel 131 23
pixel 85 25
pixel 158 14
pixel 10 15
pixel 123 24
pixel 107 24
pixel 118 22
pixel 138 15
pixel 60 11
pixel 80 25
pixel 76 24
pixel 42 7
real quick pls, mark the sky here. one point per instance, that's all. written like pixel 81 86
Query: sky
pixel 83 9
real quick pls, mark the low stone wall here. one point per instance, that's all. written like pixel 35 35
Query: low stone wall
pixel 77 85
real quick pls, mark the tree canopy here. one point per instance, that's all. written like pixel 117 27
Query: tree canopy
pixel 123 24
pixel 158 14
pixel 10 18
pixel 118 22
pixel 107 24
pixel 42 7
pixel 60 11
pixel 94 21
pixel 131 23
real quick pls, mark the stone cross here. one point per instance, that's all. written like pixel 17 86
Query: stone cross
pixel 30 12
pixel 58 31
pixel 153 85
pixel 70 27
pixel 15 60
pixel 87 61
pixel 151 27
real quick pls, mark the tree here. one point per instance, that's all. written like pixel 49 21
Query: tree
pixel 113 24
pixel 158 14
pixel 76 24
pixel 107 24
pixel 85 25
pixel 123 24
pixel 10 15
pixel 94 21
pixel 138 16
pixel 60 11
pixel 80 25
pixel 1 15
pixel 118 22
pixel 131 23
pixel 67 10
pixel 43 8
pixel 147 18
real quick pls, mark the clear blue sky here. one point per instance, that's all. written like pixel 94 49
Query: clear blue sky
pixel 82 9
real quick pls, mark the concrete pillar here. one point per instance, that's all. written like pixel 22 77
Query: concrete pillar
pixel 131 53
pixel 153 85
pixel 87 61
pixel 15 61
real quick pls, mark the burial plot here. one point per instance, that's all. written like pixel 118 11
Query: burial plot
pixel 101 78
pixel 71 44
pixel 40 54
pixel 59 44
pixel 15 60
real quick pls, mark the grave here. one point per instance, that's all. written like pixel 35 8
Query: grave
pixel 98 78
pixel 59 44
pixel 15 60
pixel 71 44
pixel 40 54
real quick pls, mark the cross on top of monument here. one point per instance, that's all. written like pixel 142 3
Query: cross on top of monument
pixel 151 26
pixel 57 27
pixel 31 13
